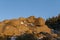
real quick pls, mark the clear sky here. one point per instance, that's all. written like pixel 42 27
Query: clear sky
pixel 24 8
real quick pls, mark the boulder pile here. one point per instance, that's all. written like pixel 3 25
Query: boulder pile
pixel 20 26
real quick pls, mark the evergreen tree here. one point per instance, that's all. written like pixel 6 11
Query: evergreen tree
pixel 54 22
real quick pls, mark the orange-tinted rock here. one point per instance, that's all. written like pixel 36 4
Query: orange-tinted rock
pixel 39 21
pixel 43 28
pixel 15 22
pixel 22 25
pixel 10 30
pixel 31 19
pixel 1 28
pixel 6 21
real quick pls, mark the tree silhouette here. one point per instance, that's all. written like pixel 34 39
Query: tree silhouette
pixel 54 22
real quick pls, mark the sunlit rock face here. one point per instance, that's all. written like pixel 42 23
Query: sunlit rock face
pixel 20 26
pixel 39 21
pixel 31 19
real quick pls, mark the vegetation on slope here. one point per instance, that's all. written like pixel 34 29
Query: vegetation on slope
pixel 54 22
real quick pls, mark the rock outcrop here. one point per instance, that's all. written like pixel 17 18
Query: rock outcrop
pixel 20 26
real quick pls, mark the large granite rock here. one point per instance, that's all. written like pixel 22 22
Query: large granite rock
pixel 20 26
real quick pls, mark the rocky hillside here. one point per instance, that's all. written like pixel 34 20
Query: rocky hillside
pixel 30 25
pixel 54 23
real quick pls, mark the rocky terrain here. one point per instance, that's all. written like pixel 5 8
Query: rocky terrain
pixel 30 28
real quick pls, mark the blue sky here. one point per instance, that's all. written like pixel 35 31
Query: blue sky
pixel 24 8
